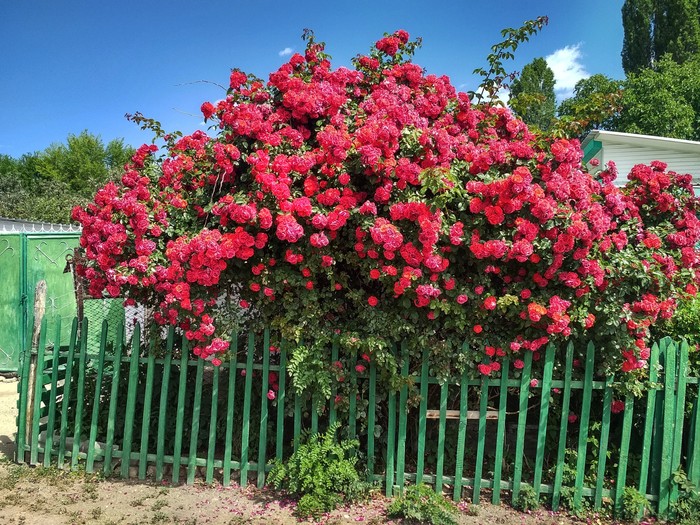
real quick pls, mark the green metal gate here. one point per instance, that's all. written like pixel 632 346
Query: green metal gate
pixel 25 259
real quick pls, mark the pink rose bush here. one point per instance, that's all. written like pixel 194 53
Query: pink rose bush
pixel 377 204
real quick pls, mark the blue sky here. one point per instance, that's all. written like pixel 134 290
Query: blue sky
pixel 73 65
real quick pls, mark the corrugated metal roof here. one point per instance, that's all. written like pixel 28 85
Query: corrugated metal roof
pixel 10 226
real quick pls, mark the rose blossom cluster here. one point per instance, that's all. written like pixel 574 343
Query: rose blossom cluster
pixel 380 201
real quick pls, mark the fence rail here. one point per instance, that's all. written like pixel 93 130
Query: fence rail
pixel 129 412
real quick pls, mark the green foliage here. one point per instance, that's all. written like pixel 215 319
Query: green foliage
pixel 663 101
pixel 634 504
pixel 655 28
pixel 637 48
pixel 495 75
pixel 45 186
pixel 421 504
pixel 687 508
pixel 527 499
pixel 594 105
pixel 322 473
pixel 83 163
pixel 532 94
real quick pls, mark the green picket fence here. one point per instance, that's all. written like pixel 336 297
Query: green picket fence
pixel 146 408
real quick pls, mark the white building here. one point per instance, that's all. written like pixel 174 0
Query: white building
pixel 627 149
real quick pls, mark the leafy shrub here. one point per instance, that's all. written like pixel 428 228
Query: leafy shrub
pixel 687 508
pixel 421 504
pixel 527 499
pixel 322 473
pixel 634 504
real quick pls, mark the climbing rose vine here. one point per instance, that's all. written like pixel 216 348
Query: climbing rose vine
pixel 377 204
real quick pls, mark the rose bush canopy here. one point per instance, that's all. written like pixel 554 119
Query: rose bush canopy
pixel 377 204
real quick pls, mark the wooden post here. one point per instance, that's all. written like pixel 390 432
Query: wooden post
pixel 39 311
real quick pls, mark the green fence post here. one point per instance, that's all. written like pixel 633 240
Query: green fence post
pixel 113 399
pixel 51 423
pixel 522 422
pixel 163 404
pixel 38 390
pixel 131 400
pixel 230 409
pixel 544 416
pixel 583 426
pixel 80 397
pixel 500 432
pixel 403 413
pixel 90 463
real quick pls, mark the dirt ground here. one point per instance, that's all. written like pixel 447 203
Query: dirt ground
pixel 51 496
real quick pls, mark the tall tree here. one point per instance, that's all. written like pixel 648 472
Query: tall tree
pixel 46 185
pixel 653 28
pixel 532 94
pixel 596 104
pixel 663 101
pixel 83 163
pixel 637 48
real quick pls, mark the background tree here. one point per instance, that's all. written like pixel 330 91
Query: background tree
pixel 83 163
pixel 663 101
pixel 653 28
pixel 532 94
pixel 596 104
pixel 46 185
pixel 637 48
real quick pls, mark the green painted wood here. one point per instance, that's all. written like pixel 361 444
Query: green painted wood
pixel 649 420
pixel 230 409
pixel 211 446
pixel 481 439
pixel 90 463
pixel 403 413
pixel 262 441
pixel 694 446
pixel 603 443
pixel 668 430
pixel 390 444
pixel 13 303
pixel 371 419
pixel 297 419
pixel 583 426
pixel 246 410
pixel 113 399
pixel 51 423
pixel 180 414
pixel 444 390
pixel 352 401
pixel 194 432
pixel 500 433
pixel 80 396
pixel 422 419
pixel 146 418
pixel 38 390
pixel 522 422
pixel 624 452
pixel 281 399
pixel 314 412
pixel 332 414
pixel 658 432
pixel 679 422
pixel 163 404
pixel 544 416
pixel 131 400
pixel 461 436
pixel 23 396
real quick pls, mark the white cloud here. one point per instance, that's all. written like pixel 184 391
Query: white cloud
pixel 285 52
pixel 568 69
